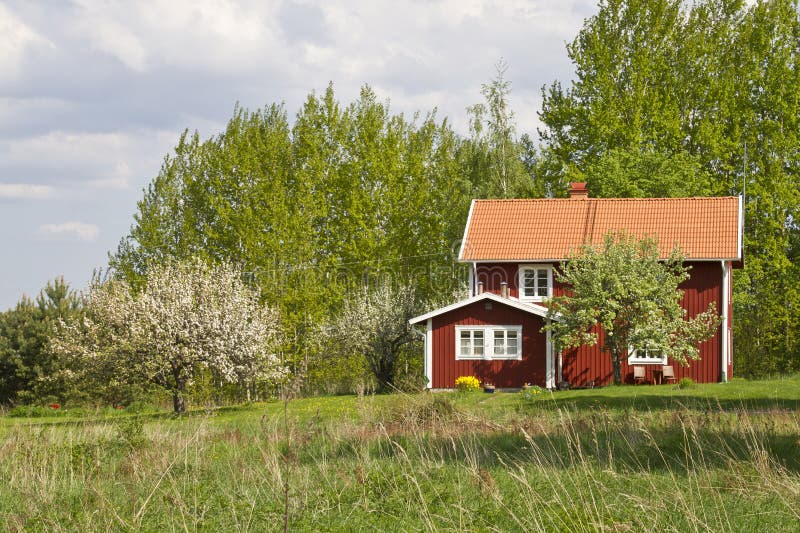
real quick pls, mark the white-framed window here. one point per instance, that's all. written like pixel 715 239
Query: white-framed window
pixel 535 282
pixel 489 342
pixel 647 355
pixel 471 343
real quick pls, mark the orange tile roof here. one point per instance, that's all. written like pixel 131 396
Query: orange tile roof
pixel 553 229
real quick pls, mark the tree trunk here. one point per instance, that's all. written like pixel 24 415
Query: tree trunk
pixel 615 364
pixel 178 402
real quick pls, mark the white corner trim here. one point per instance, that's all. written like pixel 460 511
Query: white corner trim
pixel 726 280
pixel 429 354
pixel 560 366
pixel 471 279
pixel 466 230
pixel 740 241
pixel 511 302
pixel 550 376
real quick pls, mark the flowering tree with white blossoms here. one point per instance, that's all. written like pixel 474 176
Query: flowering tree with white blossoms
pixel 374 323
pixel 188 316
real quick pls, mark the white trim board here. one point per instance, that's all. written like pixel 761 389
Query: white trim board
pixel 726 280
pixel 533 309
pixel 429 353
pixel 740 237
pixel 466 229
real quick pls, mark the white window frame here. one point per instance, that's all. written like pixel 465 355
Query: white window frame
pixel 472 330
pixel 488 343
pixel 521 281
pixel 635 357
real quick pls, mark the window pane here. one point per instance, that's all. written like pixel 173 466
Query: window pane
pixel 511 345
pixel 541 282
pixel 499 343
pixel 464 345
pixel 478 342
pixel 529 280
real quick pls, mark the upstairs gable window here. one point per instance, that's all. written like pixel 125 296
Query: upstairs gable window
pixel 535 282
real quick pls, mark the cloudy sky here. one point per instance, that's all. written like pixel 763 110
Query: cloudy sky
pixel 94 93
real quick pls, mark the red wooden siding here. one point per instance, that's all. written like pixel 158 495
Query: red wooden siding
pixel 492 275
pixel 501 373
pixel 589 364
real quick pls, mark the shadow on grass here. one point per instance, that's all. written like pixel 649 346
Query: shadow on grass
pixel 669 446
pixel 655 402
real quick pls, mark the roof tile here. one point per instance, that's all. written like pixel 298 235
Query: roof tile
pixel 554 229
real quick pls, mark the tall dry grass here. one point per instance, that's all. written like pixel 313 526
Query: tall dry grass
pixel 425 463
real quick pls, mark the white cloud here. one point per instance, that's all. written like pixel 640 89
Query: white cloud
pixel 25 191
pixel 16 38
pixel 112 160
pixel 114 38
pixel 95 93
pixel 70 230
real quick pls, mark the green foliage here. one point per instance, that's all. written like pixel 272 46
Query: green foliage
pixel 644 174
pixel 131 431
pixel 676 98
pixel 311 209
pixel 26 366
pixel 685 383
pixel 627 290
pixel 532 392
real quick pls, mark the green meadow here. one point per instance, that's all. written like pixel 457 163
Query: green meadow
pixel 718 457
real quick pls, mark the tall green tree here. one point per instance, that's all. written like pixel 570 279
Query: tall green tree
pixel 25 330
pixel 701 98
pixel 310 209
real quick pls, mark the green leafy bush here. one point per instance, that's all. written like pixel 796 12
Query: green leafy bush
pixel 685 383
pixel 422 411
pixel 131 431
pixel 532 392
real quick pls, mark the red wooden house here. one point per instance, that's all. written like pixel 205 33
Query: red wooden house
pixel 512 247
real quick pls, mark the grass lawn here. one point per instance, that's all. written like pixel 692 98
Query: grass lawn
pixel 719 457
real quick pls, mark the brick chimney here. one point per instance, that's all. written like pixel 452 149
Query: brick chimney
pixel 578 190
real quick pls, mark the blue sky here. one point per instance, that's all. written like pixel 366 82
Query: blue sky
pixel 93 94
